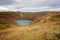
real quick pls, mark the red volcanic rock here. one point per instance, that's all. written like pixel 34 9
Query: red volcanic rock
pixel 12 17
pixel 8 17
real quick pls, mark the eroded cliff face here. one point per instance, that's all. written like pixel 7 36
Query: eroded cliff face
pixel 45 27
pixel 8 18
pixel 12 17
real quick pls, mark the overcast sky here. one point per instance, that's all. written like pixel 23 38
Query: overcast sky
pixel 29 5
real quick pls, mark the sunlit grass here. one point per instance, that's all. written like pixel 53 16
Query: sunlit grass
pixel 44 30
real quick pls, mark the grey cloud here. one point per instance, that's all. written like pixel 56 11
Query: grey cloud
pixel 53 3
pixel 50 3
pixel 7 2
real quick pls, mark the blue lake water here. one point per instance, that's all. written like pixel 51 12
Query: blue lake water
pixel 24 22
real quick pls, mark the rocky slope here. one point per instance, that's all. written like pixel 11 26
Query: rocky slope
pixel 45 28
pixel 12 17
